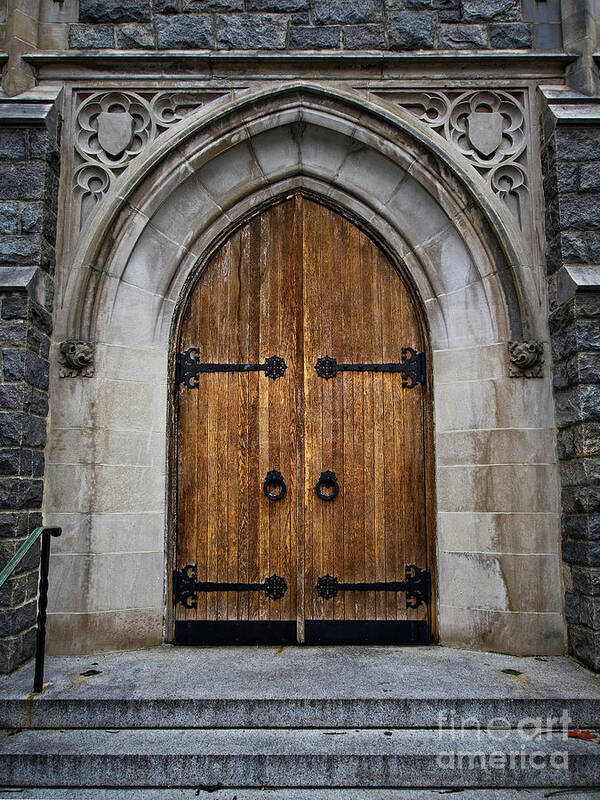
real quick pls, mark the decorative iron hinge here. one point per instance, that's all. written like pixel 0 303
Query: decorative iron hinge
pixel 417 586
pixel 188 368
pixel 186 586
pixel 411 367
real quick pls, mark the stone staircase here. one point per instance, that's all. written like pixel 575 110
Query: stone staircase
pixel 362 720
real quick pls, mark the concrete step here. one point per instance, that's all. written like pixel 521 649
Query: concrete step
pixel 254 687
pixel 154 712
pixel 236 793
pixel 205 759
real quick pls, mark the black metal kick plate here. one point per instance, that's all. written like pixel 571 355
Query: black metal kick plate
pixel 208 632
pixel 189 368
pixel 411 367
pixel 404 632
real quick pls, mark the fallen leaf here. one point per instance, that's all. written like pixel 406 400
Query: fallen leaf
pixel 586 735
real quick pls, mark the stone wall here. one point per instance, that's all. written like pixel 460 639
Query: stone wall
pixel 28 197
pixel 301 24
pixel 571 159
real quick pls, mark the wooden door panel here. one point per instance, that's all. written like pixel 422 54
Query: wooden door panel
pixel 364 426
pixel 237 426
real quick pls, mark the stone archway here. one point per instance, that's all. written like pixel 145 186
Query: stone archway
pixel 497 518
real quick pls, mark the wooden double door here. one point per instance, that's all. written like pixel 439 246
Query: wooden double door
pixel 301 441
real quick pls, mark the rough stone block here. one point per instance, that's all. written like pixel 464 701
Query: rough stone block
pixel 581 404
pixel 589 612
pixel 581 212
pixel 572 605
pixel 574 247
pixel 300 18
pixel 590 175
pixel 20 250
pixel 581 552
pixel 364 37
pixel 10 462
pixel 586 439
pixel 312 38
pixel 9 218
pixel 411 31
pixel 577 144
pixel 11 397
pixel 15 650
pixel 279 6
pixel 13 526
pixel 203 6
pixel 20 365
pixel 37 402
pixel 165 6
pixel 581 499
pixel 462 37
pixel 434 5
pixel 251 31
pixel 449 16
pixel 15 620
pixel 11 429
pixel 34 431
pixel 38 463
pixel 15 307
pixel 91 37
pixel 491 10
pixel 32 218
pixel 135 36
pixel 194 31
pixel 586 580
pixel 12 144
pixel 23 181
pixel 328 12
pixel 580 471
pixel 114 10
pixel 584 644
pixel 510 35
pixel 13 333
pixel 567 176
pixel 593 243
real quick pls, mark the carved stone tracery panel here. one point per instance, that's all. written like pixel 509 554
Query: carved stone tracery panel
pixel 487 127
pixel 112 128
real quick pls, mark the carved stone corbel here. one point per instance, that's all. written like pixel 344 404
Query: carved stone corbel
pixel 76 359
pixel 526 359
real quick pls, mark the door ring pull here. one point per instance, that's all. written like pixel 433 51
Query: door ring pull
pixel 274 478
pixel 327 480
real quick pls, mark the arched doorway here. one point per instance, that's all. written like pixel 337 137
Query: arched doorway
pixel 301 486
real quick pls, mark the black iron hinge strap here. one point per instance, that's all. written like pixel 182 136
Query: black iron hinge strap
pixel 411 367
pixel 417 586
pixel 186 586
pixel 189 368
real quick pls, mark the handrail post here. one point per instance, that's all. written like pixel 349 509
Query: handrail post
pixel 40 645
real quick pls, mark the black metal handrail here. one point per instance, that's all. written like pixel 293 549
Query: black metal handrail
pixel 40 643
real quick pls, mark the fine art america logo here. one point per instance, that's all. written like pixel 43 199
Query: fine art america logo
pixel 521 749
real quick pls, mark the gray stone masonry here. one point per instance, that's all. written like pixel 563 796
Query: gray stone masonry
pixel 571 160
pixel 28 199
pixel 301 25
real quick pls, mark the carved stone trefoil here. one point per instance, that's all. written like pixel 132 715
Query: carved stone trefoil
pixel 76 359
pixel 526 359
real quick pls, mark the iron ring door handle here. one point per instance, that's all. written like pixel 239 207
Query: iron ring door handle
pixel 274 478
pixel 327 487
